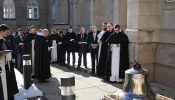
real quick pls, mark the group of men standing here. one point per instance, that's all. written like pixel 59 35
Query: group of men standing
pixel 108 50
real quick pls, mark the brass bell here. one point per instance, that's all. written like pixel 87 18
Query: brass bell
pixel 136 85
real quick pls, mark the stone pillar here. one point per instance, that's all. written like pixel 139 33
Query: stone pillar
pixel 74 13
pixel 71 4
pixel 116 11
pixel 91 13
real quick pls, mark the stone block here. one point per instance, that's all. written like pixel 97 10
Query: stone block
pixel 147 8
pixel 132 22
pixel 146 22
pixel 150 68
pixel 132 9
pixel 122 22
pixel 165 75
pixel 146 52
pixel 164 36
pixel 165 54
pixel 133 1
pixel 131 52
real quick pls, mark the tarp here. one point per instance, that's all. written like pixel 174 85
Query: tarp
pixel 33 91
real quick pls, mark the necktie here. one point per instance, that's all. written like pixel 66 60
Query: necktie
pixel 82 37
pixel 94 37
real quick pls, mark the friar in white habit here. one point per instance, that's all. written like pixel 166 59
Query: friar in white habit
pixel 118 56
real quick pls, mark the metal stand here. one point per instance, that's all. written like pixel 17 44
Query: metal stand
pixel 68 87
pixel 27 71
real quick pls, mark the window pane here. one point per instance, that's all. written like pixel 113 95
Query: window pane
pixel 30 15
pixel 5 15
pixel 35 15
pixel 35 10
pixel 4 10
pixel 12 9
pixel 12 15
pixel 30 10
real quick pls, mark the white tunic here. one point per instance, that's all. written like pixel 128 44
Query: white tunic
pixel 115 63
pixel 33 59
pixel 99 37
pixel 54 51
pixel 3 78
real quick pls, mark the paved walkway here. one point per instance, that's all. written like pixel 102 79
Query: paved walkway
pixel 87 87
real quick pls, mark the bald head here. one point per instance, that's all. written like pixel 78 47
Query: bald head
pixel 45 32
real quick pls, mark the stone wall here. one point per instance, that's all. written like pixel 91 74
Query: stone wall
pixel 150 28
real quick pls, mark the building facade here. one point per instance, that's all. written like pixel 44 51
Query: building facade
pixel 149 24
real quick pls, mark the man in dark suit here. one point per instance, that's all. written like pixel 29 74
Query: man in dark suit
pixel 93 46
pixel 70 40
pixel 81 39
pixel 19 48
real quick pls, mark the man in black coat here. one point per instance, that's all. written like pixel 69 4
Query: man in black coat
pixel 81 39
pixel 42 61
pixel 70 40
pixel 93 46
pixel 29 39
pixel 19 48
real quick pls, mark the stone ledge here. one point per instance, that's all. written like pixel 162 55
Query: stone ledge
pixel 151 35
pixel 164 75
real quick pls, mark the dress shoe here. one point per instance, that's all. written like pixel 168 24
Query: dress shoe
pixel 92 72
pixel 86 67
pixel 120 82
pixel 33 76
pixel 43 81
pixel 78 67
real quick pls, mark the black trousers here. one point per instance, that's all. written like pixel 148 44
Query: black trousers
pixel 73 57
pixel 80 53
pixel 18 61
pixel 61 57
pixel 94 59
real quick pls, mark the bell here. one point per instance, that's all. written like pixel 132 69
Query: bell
pixel 136 85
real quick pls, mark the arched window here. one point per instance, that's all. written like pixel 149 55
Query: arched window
pixel 8 9
pixel 32 9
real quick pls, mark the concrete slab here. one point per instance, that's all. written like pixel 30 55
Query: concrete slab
pixel 50 87
pixel 88 87
pixel 111 88
pixel 163 90
pixel 93 81
pixel 81 85
pixel 93 93
pixel 53 97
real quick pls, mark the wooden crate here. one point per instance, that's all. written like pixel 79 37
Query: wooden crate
pixel 163 97
pixel 111 97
